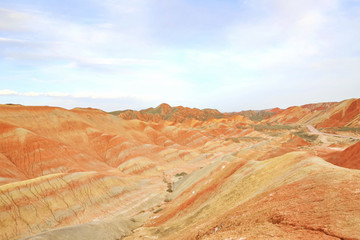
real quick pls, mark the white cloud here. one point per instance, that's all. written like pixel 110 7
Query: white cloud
pixel 8 92
pixel 120 7
pixel 58 38
pixel 114 62
pixel 269 44
pixel 91 95
pixel 56 94
pixel 31 94
pixel 11 40
pixel 11 20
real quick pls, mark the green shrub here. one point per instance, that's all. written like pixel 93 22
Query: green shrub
pixel 306 136
pixel 182 174
pixel 348 129
pixel 273 127
pixel 238 139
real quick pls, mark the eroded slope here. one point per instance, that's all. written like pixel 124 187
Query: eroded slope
pixel 86 174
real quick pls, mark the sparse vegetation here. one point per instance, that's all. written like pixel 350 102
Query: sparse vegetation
pixel 182 174
pixel 241 127
pixel 257 116
pixel 251 138
pixel 169 187
pixel 273 127
pixel 333 130
pixel 306 136
pixel 238 139
pixel 348 129
pixel 275 134
pixel 116 113
pixel 158 210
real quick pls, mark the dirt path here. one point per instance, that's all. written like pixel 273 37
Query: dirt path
pixel 315 131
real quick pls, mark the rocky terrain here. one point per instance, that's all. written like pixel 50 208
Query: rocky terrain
pixel 166 112
pixel 180 173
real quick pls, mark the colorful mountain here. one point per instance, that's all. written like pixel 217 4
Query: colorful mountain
pixel 180 173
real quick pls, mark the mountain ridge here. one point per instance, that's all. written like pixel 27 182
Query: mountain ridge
pixel 90 174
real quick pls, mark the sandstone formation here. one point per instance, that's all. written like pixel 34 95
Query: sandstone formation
pixel 166 112
pixel 281 198
pixel 349 158
pixel 180 173
pixel 322 115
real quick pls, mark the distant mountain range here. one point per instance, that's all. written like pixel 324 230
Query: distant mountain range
pixel 330 114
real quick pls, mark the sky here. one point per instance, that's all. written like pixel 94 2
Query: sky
pixel 230 55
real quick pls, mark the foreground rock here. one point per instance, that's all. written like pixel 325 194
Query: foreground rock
pixel 294 196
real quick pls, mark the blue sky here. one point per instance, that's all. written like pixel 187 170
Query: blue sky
pixel 231 55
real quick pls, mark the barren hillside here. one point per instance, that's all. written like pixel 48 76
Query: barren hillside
pixel 180 173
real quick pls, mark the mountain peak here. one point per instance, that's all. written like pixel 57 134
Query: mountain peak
pixel 164 108
pixel 164 105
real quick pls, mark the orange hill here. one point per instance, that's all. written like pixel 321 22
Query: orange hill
pixel 61 167
pixel 322 115
pixel 180 114
pixel 349 158
pixel 166 112
pixel 178 173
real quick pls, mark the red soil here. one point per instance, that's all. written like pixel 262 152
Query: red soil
pixel 349 158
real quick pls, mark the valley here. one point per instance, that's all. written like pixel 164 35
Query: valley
pixel 180 173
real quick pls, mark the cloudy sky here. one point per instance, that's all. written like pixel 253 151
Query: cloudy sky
pixel 231 55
